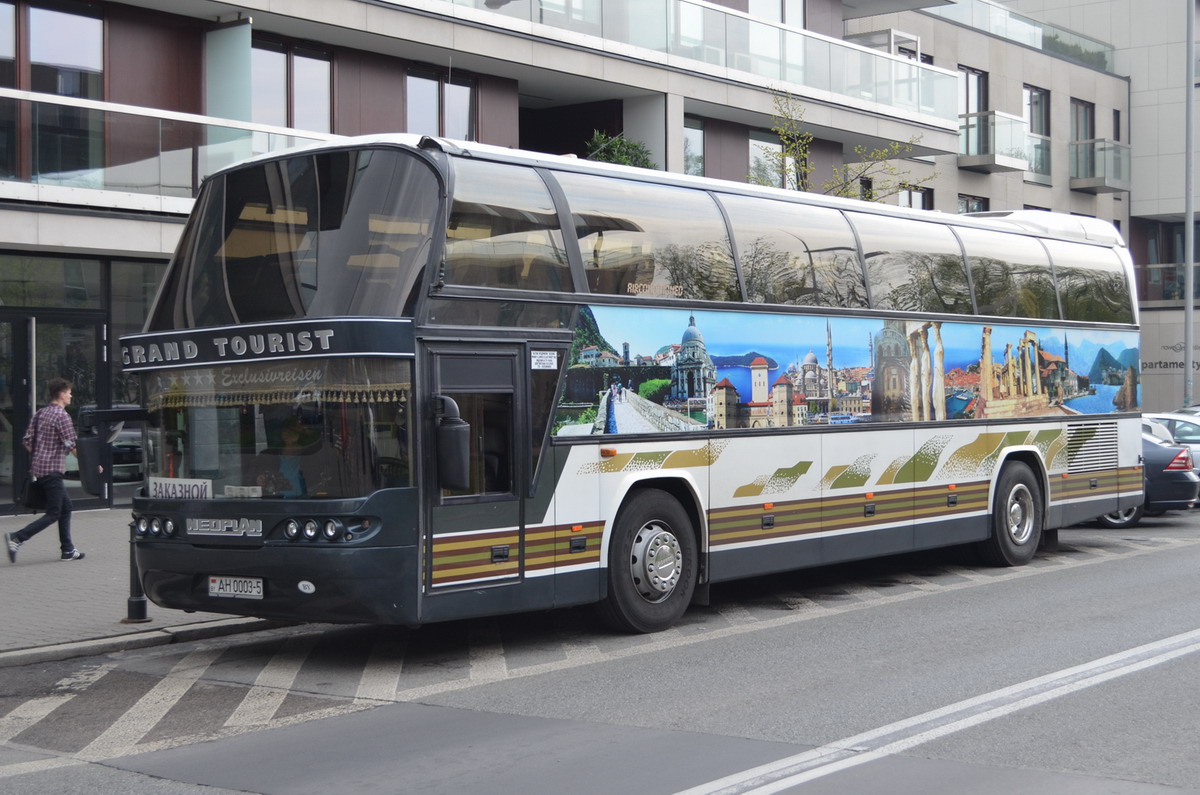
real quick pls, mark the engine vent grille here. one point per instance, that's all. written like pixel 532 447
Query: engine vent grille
pixel 1091 446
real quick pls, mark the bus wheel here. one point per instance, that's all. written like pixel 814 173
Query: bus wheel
pixel 652 563
pixel 1016 518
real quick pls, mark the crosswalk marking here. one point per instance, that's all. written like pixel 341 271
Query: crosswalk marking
pixel 381 675
pixel 271 687
pixel 29 713
pixel 121 737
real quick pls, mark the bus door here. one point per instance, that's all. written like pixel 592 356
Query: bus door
pixel 476 535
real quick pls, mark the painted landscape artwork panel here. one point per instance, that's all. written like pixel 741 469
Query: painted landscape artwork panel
pixel 648 370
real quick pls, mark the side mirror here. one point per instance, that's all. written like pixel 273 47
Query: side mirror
pixel 453 446
pixel 87 453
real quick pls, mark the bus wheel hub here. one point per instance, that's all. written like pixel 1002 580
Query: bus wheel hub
pixel 656 562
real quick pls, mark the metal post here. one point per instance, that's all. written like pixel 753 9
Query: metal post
pixel 1189 221
pixel 135 606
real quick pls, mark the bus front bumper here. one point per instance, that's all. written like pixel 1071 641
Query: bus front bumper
pixel 375 585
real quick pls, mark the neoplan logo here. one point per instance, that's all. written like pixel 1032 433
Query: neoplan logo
pixel 225 527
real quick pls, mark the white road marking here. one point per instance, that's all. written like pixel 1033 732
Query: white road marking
pixel 36 766
pixel 273 684
pixel 125 732
pixel 381 675
pixel 902 735
pixel 30 712
pixel 486 653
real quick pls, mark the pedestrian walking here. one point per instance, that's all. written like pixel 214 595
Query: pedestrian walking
pixel 49 437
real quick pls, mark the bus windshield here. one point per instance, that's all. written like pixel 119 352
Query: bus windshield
pixel 314 428
pixel 342 232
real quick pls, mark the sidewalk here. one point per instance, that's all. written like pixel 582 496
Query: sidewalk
pixel 58 609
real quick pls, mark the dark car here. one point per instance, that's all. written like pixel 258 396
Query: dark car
pixel 1171 483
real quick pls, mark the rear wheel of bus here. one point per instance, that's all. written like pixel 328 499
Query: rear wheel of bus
pixel 652 564
pixel 1017 517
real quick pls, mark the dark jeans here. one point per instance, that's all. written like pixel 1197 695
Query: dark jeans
pixel 58 509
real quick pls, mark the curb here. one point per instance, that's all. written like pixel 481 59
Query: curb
pixel 137 640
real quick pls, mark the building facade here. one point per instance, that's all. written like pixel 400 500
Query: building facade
pixel 111 113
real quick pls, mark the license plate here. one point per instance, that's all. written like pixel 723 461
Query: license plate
pixel 236 587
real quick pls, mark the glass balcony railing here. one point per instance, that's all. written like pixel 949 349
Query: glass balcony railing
pixel 992 132
pixel 712 35
pixel 1037 154
pixel 1100 165
pixel 1164 282
pixel 999 21
pixel 51 140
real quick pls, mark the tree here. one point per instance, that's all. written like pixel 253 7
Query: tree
pixel 605 148
pixel 790 162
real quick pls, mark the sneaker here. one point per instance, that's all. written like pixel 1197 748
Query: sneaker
pixel 74 554
pixel 13 545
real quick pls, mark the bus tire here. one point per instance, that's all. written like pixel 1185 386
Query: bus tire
pixel 1016 518
pixel 653 558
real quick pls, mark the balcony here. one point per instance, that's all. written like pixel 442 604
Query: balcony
pixel 992 142
pixel 1037 153
pixel 729 40
pixel 1163 285
pixel 1058 42
pixel 75 151
pixel 1100 165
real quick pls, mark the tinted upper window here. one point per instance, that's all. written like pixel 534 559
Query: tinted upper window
pixel 638 239
pixel 795 254
pixel 1091 283
pixel 1010 273
pixel 913 265
pixel 337 233
pixel 503 231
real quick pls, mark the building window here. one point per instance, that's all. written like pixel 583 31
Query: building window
pixel 8 45
pixel 1037 109
pixel 290 86
pixel 65 53
pixel 972 99
pixel 916 198
pixel 1116 125
pixel 766 152
pixel 1083 120
pixel 1083 129
pixel 693 146
pixel 972 204
pixel 866 189
pixel 438 106
pixel 789 12
pixel 912 55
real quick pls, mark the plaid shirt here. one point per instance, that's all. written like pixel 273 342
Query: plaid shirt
pixel 55 436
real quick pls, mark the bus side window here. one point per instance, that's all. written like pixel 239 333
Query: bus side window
pixel 491 467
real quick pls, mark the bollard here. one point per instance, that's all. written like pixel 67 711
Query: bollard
pixel 135 606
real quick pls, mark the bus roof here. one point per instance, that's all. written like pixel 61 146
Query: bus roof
pixel 1041 223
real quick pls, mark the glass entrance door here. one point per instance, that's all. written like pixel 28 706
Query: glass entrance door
pixel 35 347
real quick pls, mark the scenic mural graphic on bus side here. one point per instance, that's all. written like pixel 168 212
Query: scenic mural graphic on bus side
pixel 647 370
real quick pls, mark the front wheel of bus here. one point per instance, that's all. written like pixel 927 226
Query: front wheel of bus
pixel 1016 517
pixel 652 564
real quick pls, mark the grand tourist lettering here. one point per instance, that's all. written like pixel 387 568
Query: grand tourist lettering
pixel 228 347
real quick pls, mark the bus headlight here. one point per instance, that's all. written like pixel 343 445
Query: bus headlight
pixel 292 528
pixel 331 530
pixel 311 528
pixel 143 526
pixel 168 528
pixel 155 526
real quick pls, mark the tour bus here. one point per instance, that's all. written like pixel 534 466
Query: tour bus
pixel 401 380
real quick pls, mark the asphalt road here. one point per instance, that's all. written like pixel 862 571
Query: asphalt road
pixel 922 673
